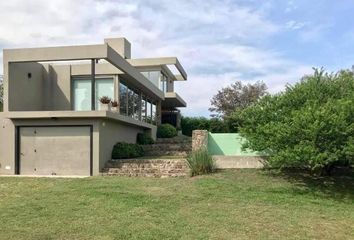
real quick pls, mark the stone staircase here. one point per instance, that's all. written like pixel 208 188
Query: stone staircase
pixel 165 158
pixel 178 146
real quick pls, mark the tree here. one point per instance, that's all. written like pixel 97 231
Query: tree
pixel 309 125
pixel 237 96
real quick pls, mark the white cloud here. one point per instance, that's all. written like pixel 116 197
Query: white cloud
pixel 290 7
pixel 218 42
pixel 294 25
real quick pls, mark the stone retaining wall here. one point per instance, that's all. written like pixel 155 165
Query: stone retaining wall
pixel 159 168
pixel 224 162
pixel 199 139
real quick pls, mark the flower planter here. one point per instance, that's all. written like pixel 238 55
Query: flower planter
pixel 105 107
pixel 114 109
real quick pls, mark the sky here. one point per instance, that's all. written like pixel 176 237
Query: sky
pixel 217 41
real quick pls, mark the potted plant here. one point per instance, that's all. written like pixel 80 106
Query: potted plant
pixel 105 103
pixel 115 106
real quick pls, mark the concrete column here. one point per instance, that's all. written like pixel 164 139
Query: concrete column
pixel 93 85
pixel 5 103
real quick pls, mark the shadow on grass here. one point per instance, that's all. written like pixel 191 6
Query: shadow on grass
pixel 339 186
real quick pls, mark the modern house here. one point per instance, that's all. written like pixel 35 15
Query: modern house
pixel 53 123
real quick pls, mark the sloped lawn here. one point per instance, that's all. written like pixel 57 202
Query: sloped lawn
pixel 240 204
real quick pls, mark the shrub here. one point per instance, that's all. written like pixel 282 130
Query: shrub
pixel 127 150
pixel 201 162
pixel 309 125
pixel 144 139
pixel 166 131
pixel 188 124
pixel 215 125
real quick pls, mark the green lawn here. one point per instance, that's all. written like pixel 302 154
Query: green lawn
pixel 242 204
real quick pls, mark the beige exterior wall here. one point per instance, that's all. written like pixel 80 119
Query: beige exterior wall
pixel 106 133
pixel 49 87
pixel 7 146
pixel 58 87
pixel 24 93
pixel 112 132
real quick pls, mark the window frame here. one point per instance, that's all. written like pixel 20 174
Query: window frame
pixel 93 93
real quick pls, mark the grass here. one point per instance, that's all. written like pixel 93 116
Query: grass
pixel 239 204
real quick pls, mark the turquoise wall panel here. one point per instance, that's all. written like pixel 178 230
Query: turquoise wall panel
pixel 228 144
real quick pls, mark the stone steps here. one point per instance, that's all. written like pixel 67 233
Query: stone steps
pixel 179 139
pixel 178 146
pixel 158 168
pixel 167 149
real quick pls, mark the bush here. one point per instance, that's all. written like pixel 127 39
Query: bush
pixel 188 124
pixel 127 150
pixel 166 131
pixel 200 162
pixel 217 126
pixel 309 125
pixel 144 139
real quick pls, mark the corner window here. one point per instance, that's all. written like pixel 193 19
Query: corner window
pixel 157 78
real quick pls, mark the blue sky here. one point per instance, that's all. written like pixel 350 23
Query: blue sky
pixel 218 41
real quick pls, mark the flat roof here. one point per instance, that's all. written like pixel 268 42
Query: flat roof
pixel 162 61
pixel 84 52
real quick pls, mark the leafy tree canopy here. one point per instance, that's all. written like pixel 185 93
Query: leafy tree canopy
pixel 237 96
pixel 309 125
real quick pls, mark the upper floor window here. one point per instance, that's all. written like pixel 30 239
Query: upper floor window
pixel 157 78
pixel 82 92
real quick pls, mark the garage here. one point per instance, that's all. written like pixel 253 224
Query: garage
pixel 54 150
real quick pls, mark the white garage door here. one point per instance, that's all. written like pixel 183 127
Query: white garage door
pixel 51 150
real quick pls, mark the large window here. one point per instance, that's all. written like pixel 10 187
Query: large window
pixel 123 90
pixel 131 101
pixel 82 92
pixel 82 95
pixel 103 87
pixel 144 109
pixel 153 116
pixel 163 83
pixel 157 78
pixel 148 112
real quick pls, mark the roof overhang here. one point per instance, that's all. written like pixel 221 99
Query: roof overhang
pixel 86 52
pixel 163 61
pixel 173 100
pixel 22 115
